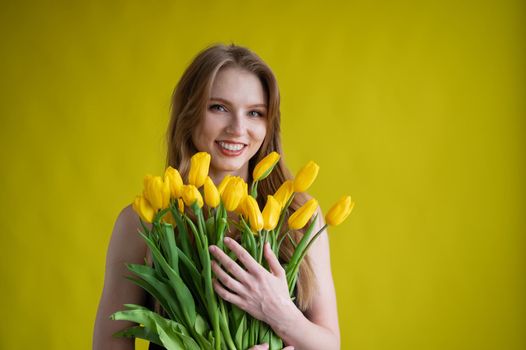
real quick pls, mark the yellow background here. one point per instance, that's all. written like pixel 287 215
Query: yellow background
pixel 416 108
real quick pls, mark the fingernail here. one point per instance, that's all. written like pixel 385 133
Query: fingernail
pixel 212 248
pixel 227 239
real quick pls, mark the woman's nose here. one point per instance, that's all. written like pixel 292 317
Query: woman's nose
pixel 236 125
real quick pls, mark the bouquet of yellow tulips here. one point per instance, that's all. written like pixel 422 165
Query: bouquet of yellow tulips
pixel 182 228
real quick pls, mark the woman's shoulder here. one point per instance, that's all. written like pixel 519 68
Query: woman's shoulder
pixel 126 245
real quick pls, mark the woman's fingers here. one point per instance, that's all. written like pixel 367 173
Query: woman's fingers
pixel 228 296
pixel 273 262
pixel 265 347
pixel 225 279
pixel 229 264
pixel 246 259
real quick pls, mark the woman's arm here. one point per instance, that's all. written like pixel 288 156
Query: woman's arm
pixel 126 246
pixel 319 327
pixel 265 295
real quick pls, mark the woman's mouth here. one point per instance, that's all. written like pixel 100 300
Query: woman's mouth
pixel 231 149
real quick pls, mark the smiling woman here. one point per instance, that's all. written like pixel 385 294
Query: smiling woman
pixel 227 104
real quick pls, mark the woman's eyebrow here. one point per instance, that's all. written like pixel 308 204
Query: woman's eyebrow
pixel 229 103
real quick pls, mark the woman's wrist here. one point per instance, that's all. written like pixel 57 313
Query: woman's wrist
pixel 286 318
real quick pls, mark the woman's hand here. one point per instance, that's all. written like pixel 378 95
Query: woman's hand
pixel 265 347
pixel 261 293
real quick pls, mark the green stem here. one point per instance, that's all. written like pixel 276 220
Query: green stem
pixel 300 259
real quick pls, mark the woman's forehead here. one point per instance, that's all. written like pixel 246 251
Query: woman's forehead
pixel 238 86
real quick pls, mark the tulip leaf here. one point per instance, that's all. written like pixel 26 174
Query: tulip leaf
pixel 157 288
pixel 275 342
pixel 140 332
pixel 173 335
pixel 184 296
pixel 211 229
pixel 201 326
pixel 171 248
pixel 240 332
pixel 183 233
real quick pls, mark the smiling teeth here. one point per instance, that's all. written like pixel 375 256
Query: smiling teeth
pixel 231 147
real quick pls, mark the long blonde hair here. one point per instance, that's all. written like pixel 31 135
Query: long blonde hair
pixel 188 106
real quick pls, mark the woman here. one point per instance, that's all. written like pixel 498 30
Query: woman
pixel 227 104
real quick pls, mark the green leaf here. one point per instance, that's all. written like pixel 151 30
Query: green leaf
pixel 240 332
pixel 171 248
pixel 172 335
pixel 184 296
pixel 160 291
pixel 183 236
pixel 201 326
pixel 157 288
pixel 140 332
pixel 275 342
pixel 211 229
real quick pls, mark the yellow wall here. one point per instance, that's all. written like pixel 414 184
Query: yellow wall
pixel 416 108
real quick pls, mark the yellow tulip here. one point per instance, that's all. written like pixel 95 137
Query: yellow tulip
pixel 241 208
pixel 271 213
pixel 339 211
pixel 199 164
pixel 143 208
pixel 173 177
pixel 284 192
pixel 303 214
pixel 233 193
pixel 180 205
pixel 255 217
pixel 265 166
pixel 223 183
pixel 306 177
pixel 191 194
pixel 211 193
pixel 147 179
pixel 156 191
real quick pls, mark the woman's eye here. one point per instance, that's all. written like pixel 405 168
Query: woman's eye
pixel 218 108
pixel 255 114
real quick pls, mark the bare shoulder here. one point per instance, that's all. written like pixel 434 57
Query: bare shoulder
pixel 126 246
pixel 126 243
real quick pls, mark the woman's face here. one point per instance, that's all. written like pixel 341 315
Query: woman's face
pixel 234 124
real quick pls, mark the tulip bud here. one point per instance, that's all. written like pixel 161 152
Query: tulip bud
pixel 271 213
pixel 143 209
pixel 156 191
pixel 199 164
pixel 303 214
pixel 265 166
pixel 180 205
pixel 339 211
pixel 241 208
pixel 233 193
pixel 255 217
pixel 284 192
pixel 211 193
pixel 173 177
pixel 191 194
pixel 306 177
pixel 223 183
